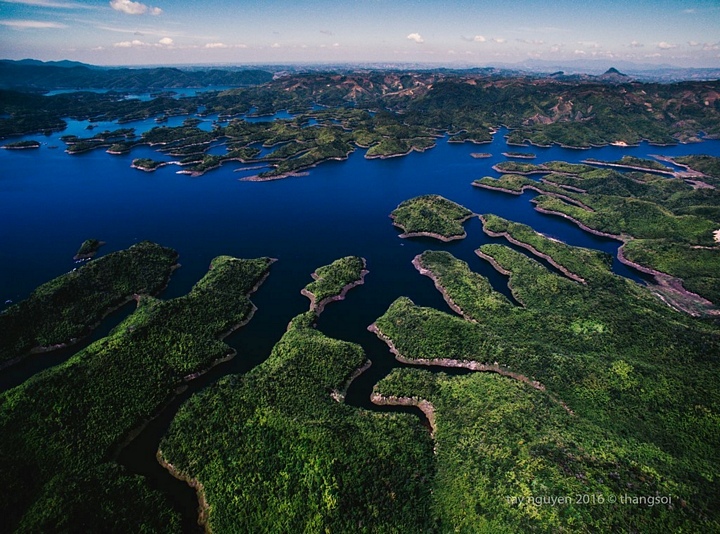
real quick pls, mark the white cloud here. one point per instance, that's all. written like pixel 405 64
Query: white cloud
pixel 129 44
pixel 536 42
pixel 31 24
pixel 693 43
pixel 416 37
pixel 336 45
pixel 689 11
pixel 165 42
pixel 275 45
pixel 133 8
pixel 653 55
pixel 499 40
pixel 479 39
pixel 49 3
pixel 580 52
pixel 665 46
pixel 216 45
pixel 707 47
pixel 636 44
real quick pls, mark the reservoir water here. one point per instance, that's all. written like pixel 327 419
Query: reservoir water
pixel 51 201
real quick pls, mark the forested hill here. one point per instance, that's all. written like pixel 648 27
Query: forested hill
pixel 49 76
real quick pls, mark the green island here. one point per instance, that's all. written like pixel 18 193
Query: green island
pixel 66 309
pixel 115 141
pixel 519 155
pixel 277 448
pixel 668 225
pixel 62 428
pixel 88 249
pixel 332 282
pixel 22 145
pixel 412 108
pixel 515 167
pixel 147 164
pixel 631 162
pixel 587 389
pixel 431 216
pixel 480 155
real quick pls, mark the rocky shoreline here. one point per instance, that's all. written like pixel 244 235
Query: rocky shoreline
pixel 430 274
pixel 319 307
pixel 535 252
pixel 464 364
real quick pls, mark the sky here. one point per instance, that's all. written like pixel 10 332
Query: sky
pixel 682 33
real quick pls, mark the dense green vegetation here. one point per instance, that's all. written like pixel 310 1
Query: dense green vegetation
pixel 699 268
pixel 431 215
pixel 88 249
pixel 708 165
pixel 116 139
pixel 273 451
pixel 68 307
pixel 668 225
pixel 60 429
pixel 413 108
pixel 633 162
pixel 147 164
pixel 332 280
pixel 575 262
pixel 19 145
pixel 521 155
pixel 638 376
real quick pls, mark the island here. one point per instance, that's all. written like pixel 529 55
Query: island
pixel 67 424
pixel 291 451
pixel 49 319
pixel 148 164
pixel 22 145
pixel 332 282
pixel 520 398
pixel 520 155
pixel 667 225
pixel 88 249
pixel 431 216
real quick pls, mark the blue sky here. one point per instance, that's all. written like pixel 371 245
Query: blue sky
pixel 126 32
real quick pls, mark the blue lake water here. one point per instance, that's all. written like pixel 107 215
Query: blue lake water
pixel 50 202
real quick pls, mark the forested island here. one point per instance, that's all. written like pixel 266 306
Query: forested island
pixel 564 380
pixel 410 110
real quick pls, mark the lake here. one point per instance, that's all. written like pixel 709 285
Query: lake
pixel 50 202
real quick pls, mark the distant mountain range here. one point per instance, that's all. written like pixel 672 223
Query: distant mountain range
pixel 30 74
pixel 38 76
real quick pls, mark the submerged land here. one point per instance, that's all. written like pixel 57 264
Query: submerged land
pixel 578 383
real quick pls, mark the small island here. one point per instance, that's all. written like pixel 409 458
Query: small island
pixel 147 164
pixel 480 155
pixel 88 249
pixel 519 155
pixel 332 282
pixel 22 145
pixel 431 216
